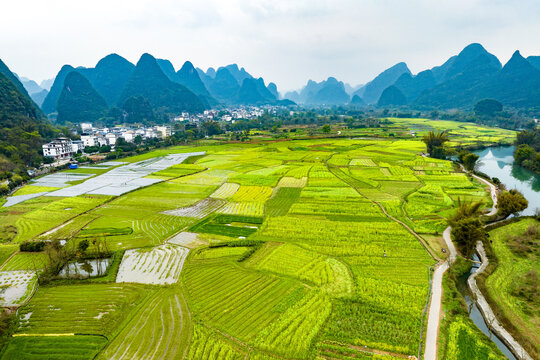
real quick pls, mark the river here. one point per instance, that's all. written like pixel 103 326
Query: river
pixel 498 162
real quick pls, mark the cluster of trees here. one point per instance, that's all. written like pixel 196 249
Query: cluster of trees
pixel 527 153
pixel 511 203
pixel 32 246
pixel 467 228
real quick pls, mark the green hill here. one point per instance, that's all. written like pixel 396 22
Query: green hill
pixel 49 104
pixel 189 77
pixel 392 96
pixel 23 128
pixel 79 101
pixel 149 81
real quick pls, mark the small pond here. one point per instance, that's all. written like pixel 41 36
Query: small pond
pixel 85 268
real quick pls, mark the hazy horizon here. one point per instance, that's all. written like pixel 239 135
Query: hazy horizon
pixel 284 42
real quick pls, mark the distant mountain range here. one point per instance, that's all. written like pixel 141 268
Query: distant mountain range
pixel 153 82
pixel 460 82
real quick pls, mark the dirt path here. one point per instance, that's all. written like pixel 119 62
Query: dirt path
pixel 434 312
pixel 493 190
pixel 422 241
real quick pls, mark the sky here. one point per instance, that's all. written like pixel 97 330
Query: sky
pixel 284 41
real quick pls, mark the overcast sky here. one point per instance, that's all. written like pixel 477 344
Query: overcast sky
pixel 285 41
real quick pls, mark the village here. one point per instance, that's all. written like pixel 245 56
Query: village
pixel 93 137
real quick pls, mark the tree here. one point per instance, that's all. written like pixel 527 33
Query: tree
pixel 138 140
pixel 326 128
pixel 83 245
pixel 523 152
pixel 137 109
pixel 434 140
pixel 466 232
pixel 511 202
pixel 467 228
pixel 466 210
pixel 487 107
pixel 211 128
pixel 469 161
pixel 438 153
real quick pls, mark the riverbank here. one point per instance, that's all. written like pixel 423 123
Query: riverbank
pixel 489 316
pixel 510 346
pixel 505 282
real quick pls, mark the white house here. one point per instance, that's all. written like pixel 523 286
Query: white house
pixel 102 141
pixel 58 148
pixel 111 138
pixel 77 145
pixel 86 127
pixel 164 130
pixel 89 140
pixel 128 135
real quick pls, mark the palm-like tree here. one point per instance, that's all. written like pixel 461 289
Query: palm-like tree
pixel 434 140
pixel 466 209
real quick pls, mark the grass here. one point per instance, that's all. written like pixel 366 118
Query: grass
pixel 224 295
pixel 206 344
pixel 512 286
pixel 86 309
pixel 458 335
pixel 464 343
pixel 225 225
pixel 6 250
pixel 26 261
pixel 53 213
pixel 80 347
pixel 34 189
pixel 160 330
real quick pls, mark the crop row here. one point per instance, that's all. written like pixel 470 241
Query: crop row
pixel 160 330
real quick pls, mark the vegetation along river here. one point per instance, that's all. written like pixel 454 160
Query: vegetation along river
pixel 499 162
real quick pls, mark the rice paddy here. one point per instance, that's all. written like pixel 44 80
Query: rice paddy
pixel 279 250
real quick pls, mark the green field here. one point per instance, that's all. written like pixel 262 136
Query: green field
pixel 84 347
pixel 294 253
pixel 512 285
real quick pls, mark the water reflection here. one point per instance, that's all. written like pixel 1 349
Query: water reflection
pixel 85 268
pixel 498 162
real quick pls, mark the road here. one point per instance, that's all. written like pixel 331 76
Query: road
pixel 434 313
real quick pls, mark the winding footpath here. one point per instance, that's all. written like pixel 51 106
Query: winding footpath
pixel 434 314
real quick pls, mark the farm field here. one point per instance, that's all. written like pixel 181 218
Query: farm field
pixel 276 250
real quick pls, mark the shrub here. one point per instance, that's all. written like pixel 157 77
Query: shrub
pixel 32 246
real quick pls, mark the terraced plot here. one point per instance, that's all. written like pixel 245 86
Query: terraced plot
pixel 225 191
pixel 158 266
pixel 16 287
pixel 161 330
pixel 85 309
pixel 199 210
pixel 80 347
